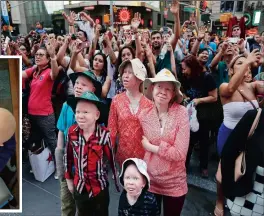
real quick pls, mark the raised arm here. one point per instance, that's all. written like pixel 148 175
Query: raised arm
pixel 177 26
pixel 70 19
pixel 109 49
pixel 218 56
pixel 149 56
pixel 62 51
pixel 227 90
pixel 50 46
pixel 196 45
pixel 76 53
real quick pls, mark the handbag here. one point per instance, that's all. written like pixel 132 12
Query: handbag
pixel 42 163
pixel 240 163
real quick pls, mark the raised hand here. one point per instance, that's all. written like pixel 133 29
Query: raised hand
pixel 71 18
pixel 224 47
pixel 50 49
pixel 254 57
pixel 241 44
pixel 174 8
pixel 135 22
pixel 77 47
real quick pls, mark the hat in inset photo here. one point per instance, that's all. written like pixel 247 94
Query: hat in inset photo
pixel 138 68
pixel 89 75
pixel 141 166
pixel 163 76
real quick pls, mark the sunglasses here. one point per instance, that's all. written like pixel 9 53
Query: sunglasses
pixel 236 29
pixel 39 54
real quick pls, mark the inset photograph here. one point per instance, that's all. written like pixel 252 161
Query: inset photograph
pixel 10 170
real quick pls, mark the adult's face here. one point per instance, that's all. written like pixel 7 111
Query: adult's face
pixel 156 41
pixel 257 38
pixel 126 54
pixel 236 32
pixel 41 58
pixel 163 92
pixel 203 57
pixel 81 36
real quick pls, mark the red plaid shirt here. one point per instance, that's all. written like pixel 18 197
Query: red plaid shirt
pixel 87 158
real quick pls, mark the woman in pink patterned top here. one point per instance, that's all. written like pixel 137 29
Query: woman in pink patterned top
pixel 166 141
pixel 125 108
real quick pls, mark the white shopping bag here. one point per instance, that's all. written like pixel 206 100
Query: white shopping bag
pixel 192 112
pixel 42 163
pixel 5 194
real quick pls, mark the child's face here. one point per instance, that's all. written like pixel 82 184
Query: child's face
pixel 82 85
pixel 134 181
pixel 86 114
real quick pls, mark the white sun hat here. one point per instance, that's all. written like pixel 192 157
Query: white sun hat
pixel 141 166
pixel 139 69
pixel 163 76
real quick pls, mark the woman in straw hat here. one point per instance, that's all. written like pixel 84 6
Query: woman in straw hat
pixel 166 139
pixel 125 108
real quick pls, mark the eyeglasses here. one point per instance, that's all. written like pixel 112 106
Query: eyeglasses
pixel 236 29
pixel 39 54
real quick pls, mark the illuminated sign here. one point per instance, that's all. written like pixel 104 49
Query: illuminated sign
pixel 124 15
pixel 89 8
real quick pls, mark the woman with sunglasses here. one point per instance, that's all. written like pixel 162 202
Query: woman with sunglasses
pixel 40 109
pixel 237 97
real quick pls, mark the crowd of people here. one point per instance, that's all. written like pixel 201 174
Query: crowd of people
pixel 119 99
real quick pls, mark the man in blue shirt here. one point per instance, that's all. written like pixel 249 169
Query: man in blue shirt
pixel 211 46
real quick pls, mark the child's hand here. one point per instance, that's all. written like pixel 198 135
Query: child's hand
pixel 70 185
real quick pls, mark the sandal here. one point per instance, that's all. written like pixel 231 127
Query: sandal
pixel 218 212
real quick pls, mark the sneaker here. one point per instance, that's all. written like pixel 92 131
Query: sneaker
pixel 56 176
pixel 30 171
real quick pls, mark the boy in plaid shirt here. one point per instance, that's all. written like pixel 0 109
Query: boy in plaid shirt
pixel 87 144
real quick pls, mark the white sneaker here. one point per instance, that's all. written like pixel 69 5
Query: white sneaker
pixel 30 171
pixel 56 176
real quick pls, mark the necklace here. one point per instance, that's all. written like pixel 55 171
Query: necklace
pixel 134 103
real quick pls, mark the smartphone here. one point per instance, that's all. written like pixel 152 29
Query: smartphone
pixel 256 46
pixel 233 40
pixel 165 29
pixel 85 44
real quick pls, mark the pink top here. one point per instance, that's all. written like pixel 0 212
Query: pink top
pixel 167 168
pixel 126 125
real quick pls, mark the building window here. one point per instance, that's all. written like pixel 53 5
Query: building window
pixel 159 19
pixel 228 6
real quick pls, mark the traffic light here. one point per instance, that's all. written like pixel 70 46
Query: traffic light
pixel 115 9
pixel 106 18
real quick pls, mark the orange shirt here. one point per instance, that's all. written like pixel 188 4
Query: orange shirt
pixel 126 126
pixel 167 168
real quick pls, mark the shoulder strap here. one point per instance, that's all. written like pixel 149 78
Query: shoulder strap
pixel 255 123
pixel 246 98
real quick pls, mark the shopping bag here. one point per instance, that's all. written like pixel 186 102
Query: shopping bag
pixel 42 163
pixel 5 194
pixel 192 112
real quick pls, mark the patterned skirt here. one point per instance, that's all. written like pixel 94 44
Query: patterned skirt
pixel 253 203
